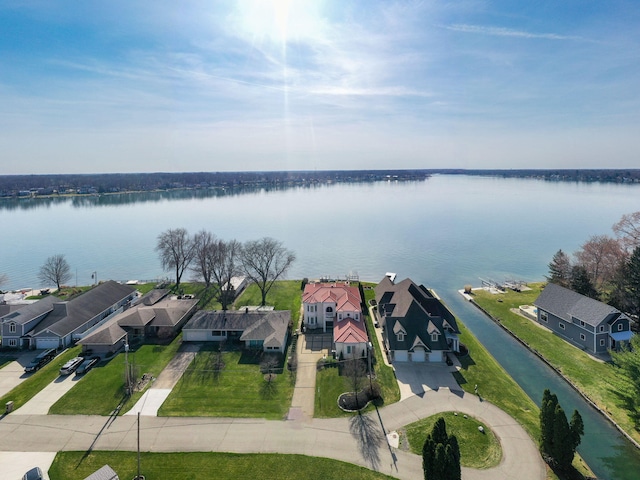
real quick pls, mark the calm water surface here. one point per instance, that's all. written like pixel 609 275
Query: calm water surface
pixel 444 232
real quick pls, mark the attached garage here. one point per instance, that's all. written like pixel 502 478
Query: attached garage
pixel 418 355
pixel 400 356
pixel 46 343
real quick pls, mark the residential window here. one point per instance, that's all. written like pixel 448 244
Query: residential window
pixel 602 343
pixel 348 349
pixel 543 316
pixel 561 325
pixel 581 323
pixel 339 316
pixel 357 316
pixel 12 328
pixel 400 336
pixel 216 333
pixel 620 327
pixel 602 328
pixel 13 342
pixel 582 337
pixel 434 337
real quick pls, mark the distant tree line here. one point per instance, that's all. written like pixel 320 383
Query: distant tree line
pixel 118 182
pixel 216 262
pixel 605 268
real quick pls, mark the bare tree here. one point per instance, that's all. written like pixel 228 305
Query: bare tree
pixel 628 230
pixel 176 251
pixel 202 245
pixel 264 261
pixel 601 256
pixel 55 270
pixel 225 265
pixel 355 372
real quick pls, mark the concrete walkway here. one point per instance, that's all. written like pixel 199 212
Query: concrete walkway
pixel 303 401
pixel 154 397
pixel 359 439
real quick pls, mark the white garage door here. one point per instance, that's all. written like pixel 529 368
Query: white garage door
pixel 44 343
pixel 400 356
pixel 418 355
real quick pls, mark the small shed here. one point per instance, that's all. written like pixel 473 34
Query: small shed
pixel 105 473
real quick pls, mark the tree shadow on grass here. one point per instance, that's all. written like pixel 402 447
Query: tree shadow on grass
pixel 367 433
pixel 269 387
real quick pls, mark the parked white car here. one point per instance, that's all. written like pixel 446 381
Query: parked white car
pixel 71 366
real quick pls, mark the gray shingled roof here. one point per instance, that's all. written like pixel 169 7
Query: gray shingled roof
pixel 70 315
pixel 107 334
pixel 567 304
pixel 29 312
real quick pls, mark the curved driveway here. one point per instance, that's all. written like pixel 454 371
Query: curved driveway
pixel 358 439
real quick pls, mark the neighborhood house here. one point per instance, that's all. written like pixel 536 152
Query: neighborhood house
pixel 54 323
pixel 336 306
pixel 254 328
pixel 592 325
pixel 417 327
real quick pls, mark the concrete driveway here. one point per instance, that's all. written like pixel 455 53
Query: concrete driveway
pixel 418 378
pixel 42 401
pixel 12 374
pixel 16 464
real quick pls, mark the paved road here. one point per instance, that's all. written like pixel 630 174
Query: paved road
pixel 358 439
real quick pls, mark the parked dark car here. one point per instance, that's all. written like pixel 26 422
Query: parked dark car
pixel 34 474
pixel 71 366
pixel 87 365
pixel 40 360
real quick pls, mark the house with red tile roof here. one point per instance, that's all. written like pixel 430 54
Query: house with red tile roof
pixel 336 306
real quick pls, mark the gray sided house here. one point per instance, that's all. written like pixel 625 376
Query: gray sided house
pixel 265 330
pixel 70 320
pixel 592 325
pixel 155 316
pixel 16 324
pixel 417 327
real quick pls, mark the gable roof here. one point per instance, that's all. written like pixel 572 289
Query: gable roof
pixel 28 312
pixel 68 316
pixel 413 310
pixel 567 304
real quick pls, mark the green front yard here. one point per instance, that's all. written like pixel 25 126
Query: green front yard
pixel 102 389
pixel 284 295
pixel 238 389
pixel 204 466
pixel 591 376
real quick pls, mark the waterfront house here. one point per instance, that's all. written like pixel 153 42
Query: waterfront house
pixel 155 316
pixel 417 327
pixel 590 324
pixel 253 328
pixel 18 322
pixel 336 306
pixel 69 320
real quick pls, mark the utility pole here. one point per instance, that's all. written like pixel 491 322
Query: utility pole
pixel 126 365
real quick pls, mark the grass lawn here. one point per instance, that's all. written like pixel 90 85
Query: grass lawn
pixel 591 376
pixel 477 450
pixel 238 390
pixel 102 389
pixel 284 295
pixel 204 466
pixel 38 380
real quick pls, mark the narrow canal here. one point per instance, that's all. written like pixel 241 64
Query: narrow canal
pixel 607 452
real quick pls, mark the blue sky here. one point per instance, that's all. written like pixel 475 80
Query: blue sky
pixel 125 86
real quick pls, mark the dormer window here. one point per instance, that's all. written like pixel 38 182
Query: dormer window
pixel 12 327
pixel 434 337
pixel 620 326
pixel 401 336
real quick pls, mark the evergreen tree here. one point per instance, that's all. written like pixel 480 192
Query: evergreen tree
pixel 547 412
pixel 441 454
pixel 632 283
pixel 562 440
pixel 577 429
pixel 560 269
pixel 581 282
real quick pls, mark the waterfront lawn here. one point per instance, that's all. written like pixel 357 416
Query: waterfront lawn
pixel 26 390
pixel 594 378
pixel 102 389
pixel 284 295
pixel 477 450
pixel 239 389
pixel 201 466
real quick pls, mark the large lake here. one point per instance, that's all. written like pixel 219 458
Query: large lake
pixel 444 232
